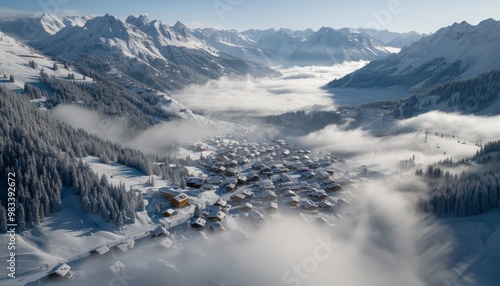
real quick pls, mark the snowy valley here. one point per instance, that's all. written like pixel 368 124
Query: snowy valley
pixel 147 152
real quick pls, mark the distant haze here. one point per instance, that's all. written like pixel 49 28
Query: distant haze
pixel 395 15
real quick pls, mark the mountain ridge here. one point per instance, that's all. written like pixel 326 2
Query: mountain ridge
pixel 457 52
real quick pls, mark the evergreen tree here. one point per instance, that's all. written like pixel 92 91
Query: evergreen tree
pixel 3 219
pixel 140 202
pixel 120 221
pixel 21 218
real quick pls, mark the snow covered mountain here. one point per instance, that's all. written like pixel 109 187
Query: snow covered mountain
pixel 329 46
pixel 256 35
pixel 164 35
pixel 32 28
pixel 281 44
pixel 156 54
pixel 234 43
pixel 269 47
pixel 457 52
pixel 392 39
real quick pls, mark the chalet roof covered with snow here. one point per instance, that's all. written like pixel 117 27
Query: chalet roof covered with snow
pixel 167 243
pixel 102 250
pixel 308 204
pixel 61 270
pixel 180 197
pixel 266 185
pixel 256 215
pixel 117 267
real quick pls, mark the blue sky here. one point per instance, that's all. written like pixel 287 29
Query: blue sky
pixel 395 15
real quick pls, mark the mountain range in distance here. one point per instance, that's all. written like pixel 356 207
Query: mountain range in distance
pixel 458 52
pixel 170 57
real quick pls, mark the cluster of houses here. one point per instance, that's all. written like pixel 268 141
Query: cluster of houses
pixel 254 180
pixel 250 182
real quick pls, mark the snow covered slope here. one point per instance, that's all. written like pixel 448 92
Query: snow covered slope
pixel 269 47
pixel 392 39
pixel 329 46
pixel 165 35
pixel 280 44
pixel 15 59
pixel 101 35
pixel 236 44
pixel 31 27
pixel 460 51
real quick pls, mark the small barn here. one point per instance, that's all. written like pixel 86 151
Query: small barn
pixel 168 192
pixel 62 270
pixel 320 195
pixel 285 177
pixel 269 195
pixel 169 212
pixel 322 175
pixel 242 179
pixel 126 245
pixel 248 193
pixel 159 231
pixel 256 216
pixel 333 187
pixel 117 267
pixel 198 223
pixel 257 166
pixel 266 186
pixel 238 198
pixel 195 182
pixel 271 207
pixel 231 172
pixel 246 207
pixel 215 213
pixel 309 205
pixel 309 175
pixel 279 168
pixel 288 193
pixel 207 187
pixel 166 243
pixel 220 202
pixel 293 201
pixel 325 205
pixel 216 227
pixel 101 250
pixel 231 187
pixel 254 177
pixel 179 201
pixel 215 180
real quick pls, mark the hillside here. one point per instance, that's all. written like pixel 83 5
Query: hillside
pixel 457 52
pixel 155 54
pixel 329 46
pixel 34 28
